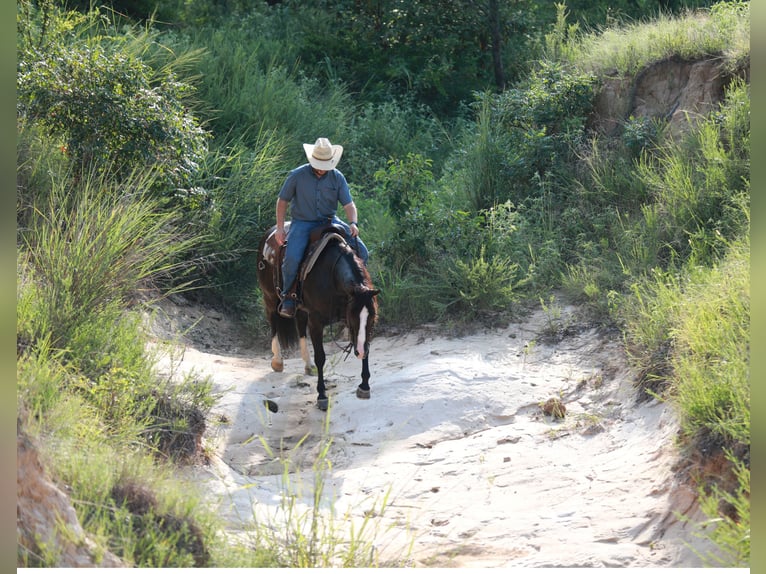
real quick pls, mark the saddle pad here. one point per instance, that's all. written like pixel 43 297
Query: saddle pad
pixel 316 250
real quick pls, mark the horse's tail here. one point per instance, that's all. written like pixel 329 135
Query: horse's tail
pixel 286 330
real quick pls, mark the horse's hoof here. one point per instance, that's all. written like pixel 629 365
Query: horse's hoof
pixel 277 366
pixel 271 405
pixel 362 394
pixel 311 370
pixel 323 404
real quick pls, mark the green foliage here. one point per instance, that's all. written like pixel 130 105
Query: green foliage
pixel 478 286
pixel 252 88
pixel 640 134
pixel 390 131
pixel 113 111
pixel 699 186
pixel 690 331
pixel 96 429
pixel 466 215
pixel 481 172
pixel 437 51
pixel 406 183
pixel 689 336
pixel 527 132
pixel 562 37
pixel 711 346
pixel 680 200
pixel 233 207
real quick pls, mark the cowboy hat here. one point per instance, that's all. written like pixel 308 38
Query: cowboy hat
pixel 323 155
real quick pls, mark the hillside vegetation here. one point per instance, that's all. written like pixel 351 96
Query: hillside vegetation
pixel 149 156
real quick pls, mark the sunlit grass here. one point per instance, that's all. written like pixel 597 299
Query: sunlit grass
pixel 723 31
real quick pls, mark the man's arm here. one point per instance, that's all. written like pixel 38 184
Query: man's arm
pixel 350 209
pixel 281 214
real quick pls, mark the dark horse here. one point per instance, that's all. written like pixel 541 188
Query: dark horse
pixel 336 288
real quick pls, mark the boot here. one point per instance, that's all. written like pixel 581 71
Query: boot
pixel 289 301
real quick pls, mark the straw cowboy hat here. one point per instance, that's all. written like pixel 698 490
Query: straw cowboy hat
pixel 323 155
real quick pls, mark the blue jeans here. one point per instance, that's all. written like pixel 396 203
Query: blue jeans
pixel 298 239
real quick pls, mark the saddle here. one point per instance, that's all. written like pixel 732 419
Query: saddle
pixel 320 237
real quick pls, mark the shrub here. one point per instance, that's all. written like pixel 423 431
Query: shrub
pixel 113 111
pixel 478 286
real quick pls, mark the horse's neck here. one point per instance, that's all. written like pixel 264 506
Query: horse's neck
pixel 346 275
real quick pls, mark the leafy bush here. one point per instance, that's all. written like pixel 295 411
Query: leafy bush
pixel 406 183
pixel 524 134
pixel 113 111
pixel 390 131
pixel 478 286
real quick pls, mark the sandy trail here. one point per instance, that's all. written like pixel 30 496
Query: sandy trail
pixel 454 441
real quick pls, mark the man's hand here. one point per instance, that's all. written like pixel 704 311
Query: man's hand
pixel 279 235
pixel 354 230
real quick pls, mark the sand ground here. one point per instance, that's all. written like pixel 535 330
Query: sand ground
pixel 451 462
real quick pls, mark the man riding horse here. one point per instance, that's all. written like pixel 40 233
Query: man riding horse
pixel 313 191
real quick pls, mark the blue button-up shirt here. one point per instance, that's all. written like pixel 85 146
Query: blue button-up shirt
pixel 314 198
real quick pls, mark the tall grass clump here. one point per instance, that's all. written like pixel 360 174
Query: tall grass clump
pixel 250 88
pixel 699 187
pixel 689 335
pixel 232 207
pixel 124 500
pixel 91 249
pixel 711 349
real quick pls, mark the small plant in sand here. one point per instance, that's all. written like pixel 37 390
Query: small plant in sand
pixel 528 350
pixel 312 535
pixel 552 314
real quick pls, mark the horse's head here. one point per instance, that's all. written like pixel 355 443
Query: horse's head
pixel 361 315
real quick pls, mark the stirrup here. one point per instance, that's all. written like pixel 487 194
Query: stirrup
pixel 287 308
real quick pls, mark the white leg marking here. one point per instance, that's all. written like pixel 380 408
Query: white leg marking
pixel 362 334
pixel 276 359
pixel 305 355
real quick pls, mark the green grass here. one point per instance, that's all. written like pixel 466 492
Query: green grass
pixel 689 333
pixel 711 344
pixel 723 31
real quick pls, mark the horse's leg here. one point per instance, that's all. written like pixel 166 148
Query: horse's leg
pixel 309 366
pixel 363 390
pixel 277 364
pixel 316 330
pixel 276 356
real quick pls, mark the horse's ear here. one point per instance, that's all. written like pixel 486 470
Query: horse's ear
pixel 375 292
